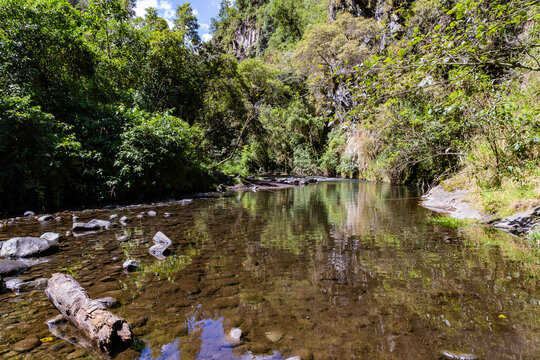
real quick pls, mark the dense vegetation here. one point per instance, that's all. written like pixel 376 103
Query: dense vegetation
pixel 98 105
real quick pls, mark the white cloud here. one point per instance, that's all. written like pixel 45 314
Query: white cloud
pixel 206 37
pixel 142 5
pixel 195 12
pixel 168 12
pixel 205 26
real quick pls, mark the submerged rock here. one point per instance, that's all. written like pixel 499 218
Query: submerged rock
pixel 11 267
pixel 109 302
pixel 130 265
pixel 274 335
pixel 26 344
pixel 46 218
pixel 38 284
pixel 235 335
pixel 457 356
pixel 22 247
pixel 91 225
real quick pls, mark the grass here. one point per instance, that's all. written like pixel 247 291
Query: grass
pixel 450 222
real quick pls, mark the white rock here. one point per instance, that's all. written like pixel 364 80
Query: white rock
pixel 46 218
pixel 235 335
pixel 29 213
pixel 152 213
pixel 51 236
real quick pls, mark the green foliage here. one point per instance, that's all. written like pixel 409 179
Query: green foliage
pixel 449 222
pixel 156 158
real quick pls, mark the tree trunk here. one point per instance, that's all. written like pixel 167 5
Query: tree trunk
pixel 111 333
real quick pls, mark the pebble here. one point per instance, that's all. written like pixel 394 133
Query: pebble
pixel 113 216
pixel 152 213
pixel 124 220
pixel 29 213
pixel 235 335
pixel 123 238
pixel 294 358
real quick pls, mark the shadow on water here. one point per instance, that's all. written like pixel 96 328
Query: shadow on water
pixel 335 270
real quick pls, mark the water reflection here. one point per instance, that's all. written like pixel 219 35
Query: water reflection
pixel 336 270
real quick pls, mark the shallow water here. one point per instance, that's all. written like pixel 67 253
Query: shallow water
pixel 334 270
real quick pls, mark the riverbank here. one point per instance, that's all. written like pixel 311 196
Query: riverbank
pixel 454 204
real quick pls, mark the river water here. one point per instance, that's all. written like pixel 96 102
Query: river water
pixel 334 270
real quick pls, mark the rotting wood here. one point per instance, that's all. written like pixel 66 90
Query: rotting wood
pixel 111 333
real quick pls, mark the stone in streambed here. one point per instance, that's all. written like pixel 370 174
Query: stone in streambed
pixel 109 302
pixel 38 284
pixel 124 220
pixel 123 238
pixel 457 356
pixel 152 213
pixel 11 284
pixel 130 265
pixel 235 335
pixel 29 213
pixel 51 236
pixel 46 218
pixel 294 358
pixel 159 251
pixel 11 267
pixel 161 239
pixel 93 224
pixel 26 344
pixel 22 247
pixel 274 335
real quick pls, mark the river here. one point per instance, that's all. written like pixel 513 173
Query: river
pixel 333 270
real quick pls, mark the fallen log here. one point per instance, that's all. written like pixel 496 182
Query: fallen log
pixel 111 333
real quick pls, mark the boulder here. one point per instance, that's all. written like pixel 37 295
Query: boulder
pixel 91 225
pixel 11 267
pixel 38 284
pixel 22 247
pixel 29 213
pixel 130 265
pixel 46 218
pixel 51 236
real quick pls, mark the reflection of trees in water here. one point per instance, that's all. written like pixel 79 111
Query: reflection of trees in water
pixel 359 260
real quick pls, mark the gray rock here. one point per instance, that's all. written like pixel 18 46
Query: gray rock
pixel 29 213
pixel 123 238
pixel 11 267
pixel 456 356
pixel 38 284
pixel 520 223
pixel 58 218
pixel 159 251
pixel 124 220
pixel 109 302
pixel 51 236
pixel 11 284
pixel 235 335
pixel 294 358
pixel 91 225
pixel 130 265
pixel 152 213
pixel 46 218
pixel 166 214
pixel 161 239
pixel 22 247
pixel 451 203
pixel 113 216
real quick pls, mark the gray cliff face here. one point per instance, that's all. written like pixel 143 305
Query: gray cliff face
pixel 246 37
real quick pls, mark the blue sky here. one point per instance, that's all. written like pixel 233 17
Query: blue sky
pixel 204 10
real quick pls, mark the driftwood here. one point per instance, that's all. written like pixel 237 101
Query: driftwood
pixel 111 333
